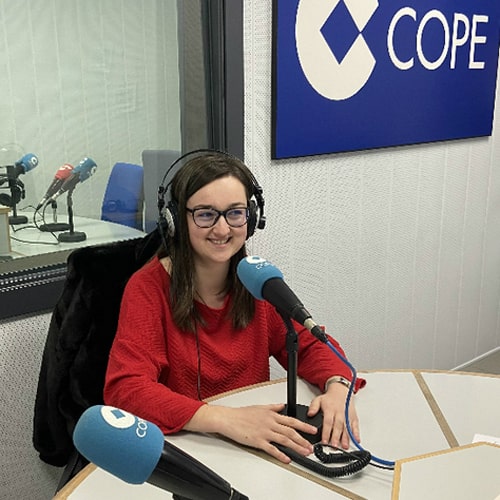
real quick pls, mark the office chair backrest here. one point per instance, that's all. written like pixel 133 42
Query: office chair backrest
pixel 123 201
pixel 156 163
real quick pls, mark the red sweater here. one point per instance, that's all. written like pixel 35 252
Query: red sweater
pixel 153 365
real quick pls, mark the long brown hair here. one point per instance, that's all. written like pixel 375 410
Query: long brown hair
pixel 192 176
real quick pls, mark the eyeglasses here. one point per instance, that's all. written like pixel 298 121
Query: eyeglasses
pixel 208 217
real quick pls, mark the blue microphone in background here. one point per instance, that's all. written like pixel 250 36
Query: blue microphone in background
pixel 80 173
pixel 265 282
pixel 85 168
pixel 22 166
pixel 135 451
pixel 17 192
pixel 28 162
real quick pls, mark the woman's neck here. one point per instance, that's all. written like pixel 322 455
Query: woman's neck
pixel 210 283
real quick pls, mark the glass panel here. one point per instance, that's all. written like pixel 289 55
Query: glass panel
pixel 116 81
pixel 82 79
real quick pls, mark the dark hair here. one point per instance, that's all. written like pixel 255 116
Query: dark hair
pixel 194 174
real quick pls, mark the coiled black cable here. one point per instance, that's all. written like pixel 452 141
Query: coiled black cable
pixel 356 460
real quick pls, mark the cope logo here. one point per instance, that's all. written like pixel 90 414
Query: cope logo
pixel 360 74
pixel 120 419
pixel 257 262
pixel 329 77
pixel 339 80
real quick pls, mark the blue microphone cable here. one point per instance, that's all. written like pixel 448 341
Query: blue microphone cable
pixel 387 464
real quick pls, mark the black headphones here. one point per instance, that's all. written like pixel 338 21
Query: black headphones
pixel 17 192
pixel 169 211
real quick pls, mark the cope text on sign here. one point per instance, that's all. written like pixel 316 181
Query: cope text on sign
pixel 359 74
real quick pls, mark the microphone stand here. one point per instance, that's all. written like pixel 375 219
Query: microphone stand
pixel 71 236
pixel 5 248
pixel 55 226
pixel 14 219
pixel 292 409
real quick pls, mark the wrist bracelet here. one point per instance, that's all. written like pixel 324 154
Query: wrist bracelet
pixel 337 379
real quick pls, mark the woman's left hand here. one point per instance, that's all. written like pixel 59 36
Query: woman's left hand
pixel 332 404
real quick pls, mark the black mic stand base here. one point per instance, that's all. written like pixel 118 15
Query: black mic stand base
pixel 53 227
pixel 292 409
pixel 301 414
pixel 14 220
pixel 72 237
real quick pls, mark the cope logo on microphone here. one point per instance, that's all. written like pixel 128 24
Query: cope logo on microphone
pixel 358 74
pixel 33 161
pixel 120 419
pixel 257 261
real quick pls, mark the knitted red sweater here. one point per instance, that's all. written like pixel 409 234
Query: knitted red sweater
pixel 153 366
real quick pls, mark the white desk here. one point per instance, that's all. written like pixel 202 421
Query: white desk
pixel 402 414
pixel 26 240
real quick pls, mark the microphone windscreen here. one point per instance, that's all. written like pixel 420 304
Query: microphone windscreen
pixel 254 272
pixel 85 169
pixel 64 172
pixel 28 162
pixel 119 442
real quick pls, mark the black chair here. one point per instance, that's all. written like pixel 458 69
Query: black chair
pixel 81 331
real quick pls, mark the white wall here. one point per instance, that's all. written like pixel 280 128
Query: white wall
pixel 396 251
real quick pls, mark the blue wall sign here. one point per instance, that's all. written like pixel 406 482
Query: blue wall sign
pixel 360 74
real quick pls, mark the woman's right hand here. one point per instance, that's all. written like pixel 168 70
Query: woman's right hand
pixel 258 426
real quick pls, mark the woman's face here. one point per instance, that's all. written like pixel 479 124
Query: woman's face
pixel 217 244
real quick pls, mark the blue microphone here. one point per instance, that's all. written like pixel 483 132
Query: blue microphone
pixel 22 166
pixel 135 451
pixel 85 168
pixel 265 282
pixel 26 163
pixel 80 173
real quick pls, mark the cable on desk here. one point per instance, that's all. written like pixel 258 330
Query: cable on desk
pixel 17 229
pixel 354 460
pixel 33 242
pixel 35 225
pixel 388 464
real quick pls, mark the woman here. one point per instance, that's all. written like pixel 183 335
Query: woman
pixel 188 329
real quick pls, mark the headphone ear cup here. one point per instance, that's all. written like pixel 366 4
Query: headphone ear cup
pixel 252 218
pixel 6 200
pixel 171 218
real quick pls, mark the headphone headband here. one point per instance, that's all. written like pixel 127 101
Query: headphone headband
pixel 168 209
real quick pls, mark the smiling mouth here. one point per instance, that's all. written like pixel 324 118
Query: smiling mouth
pixel 220 242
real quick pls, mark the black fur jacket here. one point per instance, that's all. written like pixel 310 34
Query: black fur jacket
pixel 81 331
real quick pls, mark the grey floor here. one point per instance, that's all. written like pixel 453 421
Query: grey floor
pixel 488 364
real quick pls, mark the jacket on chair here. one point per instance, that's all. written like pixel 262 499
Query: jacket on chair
pixel 81 331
